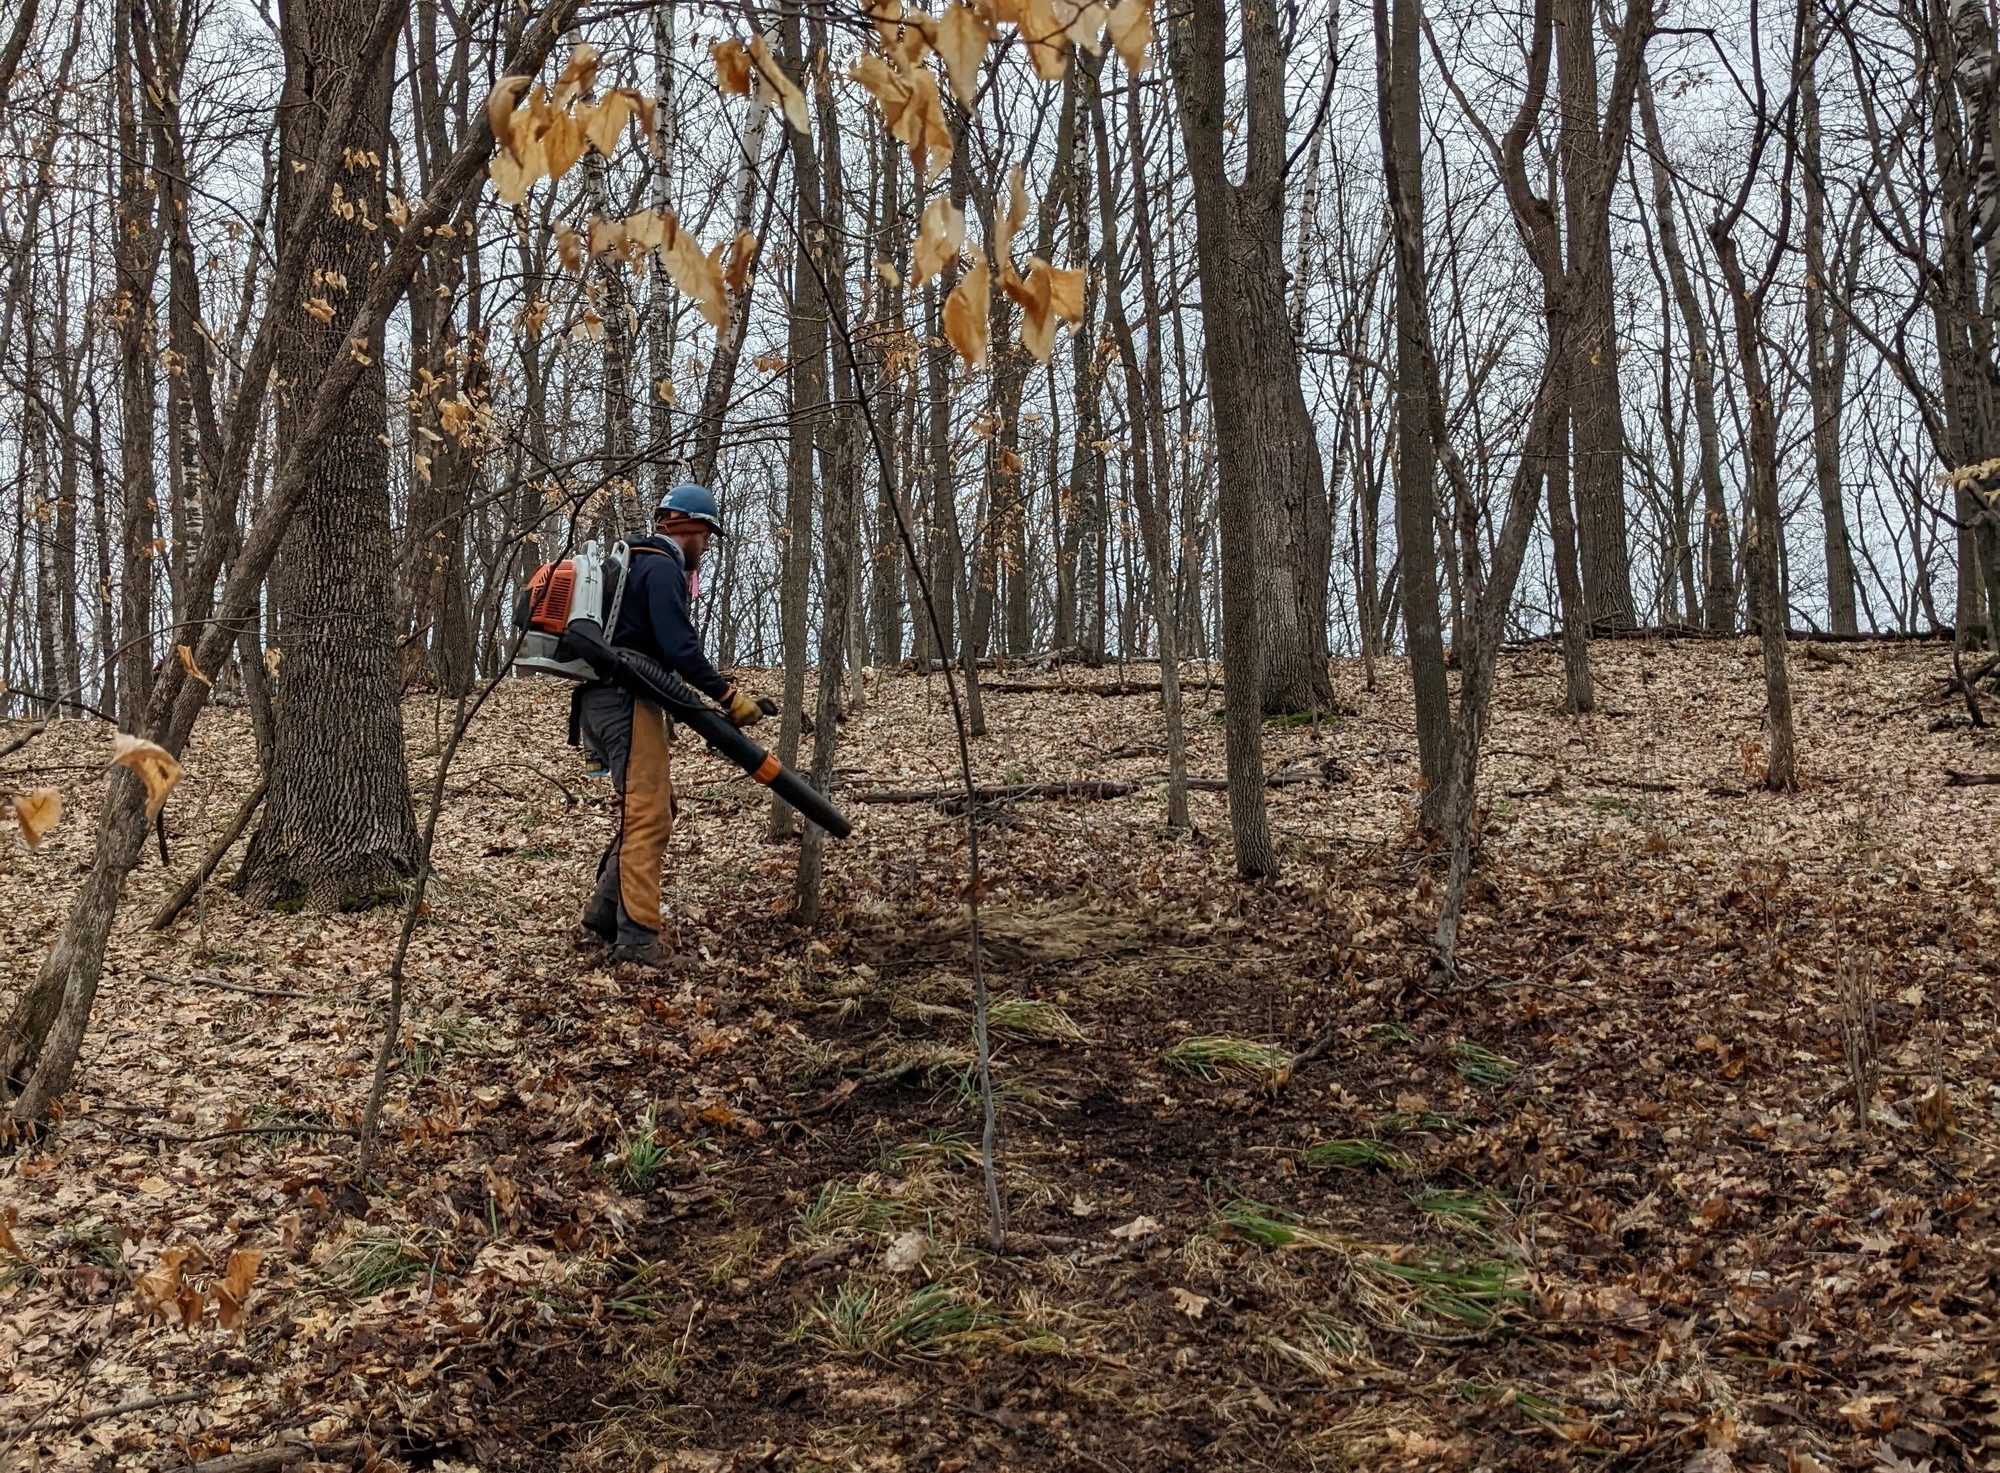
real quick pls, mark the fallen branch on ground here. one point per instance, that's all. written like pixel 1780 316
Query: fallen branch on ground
pixel 1095 688
pixel 1953 778
pixel 226 985
pixel 1083 788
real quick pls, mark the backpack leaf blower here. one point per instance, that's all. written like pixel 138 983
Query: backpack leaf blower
pixel 566 612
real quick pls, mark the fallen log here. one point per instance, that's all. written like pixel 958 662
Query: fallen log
pixel 1089 789
pixel 1106 688
pixel 1953 778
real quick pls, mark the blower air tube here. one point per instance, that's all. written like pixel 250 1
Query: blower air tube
pixel 651 681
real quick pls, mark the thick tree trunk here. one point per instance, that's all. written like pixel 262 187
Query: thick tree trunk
pixel 339 830
pixel 1596 427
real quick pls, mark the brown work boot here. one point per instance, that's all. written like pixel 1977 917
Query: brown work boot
pixel 640 956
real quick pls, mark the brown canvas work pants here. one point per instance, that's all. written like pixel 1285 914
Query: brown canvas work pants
pixel 631 738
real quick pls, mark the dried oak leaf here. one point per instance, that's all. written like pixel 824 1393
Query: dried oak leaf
pixel 500 104
pixel 742 256
pixel 186 657
pixel 37 813
pixel 965 312
pixel 732 67
pixel 962 38
pixel 152 764
pixel 940 237
pixel 787 90
pixel 234 1289
pixel 577 74
pixel 1131 26
pixel 569 246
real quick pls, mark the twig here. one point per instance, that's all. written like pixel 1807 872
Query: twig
pixel 191 886
pixel 273 1459
pixel 125 1408
pixel 226 985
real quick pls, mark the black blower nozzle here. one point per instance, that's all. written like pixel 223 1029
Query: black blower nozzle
pixel 648 679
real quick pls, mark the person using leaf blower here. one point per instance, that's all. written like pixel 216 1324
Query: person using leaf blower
pixel 630 735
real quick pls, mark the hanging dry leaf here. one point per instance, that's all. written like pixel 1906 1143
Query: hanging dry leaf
pixel 940 237
pixel 787 90
pixel 153 764
pixel 603 123
pixel 965 312
pixel 962 39
pixel 569 246
pixel 37 813
pixel 698 276
pixel 644 230
pixel 577 75
pixel 562 142
pixel 770 362
pixel 732 67
pixel 1046 294
pixel 319 308
pixel 399 209
pixel 1011 220
pixel 234 1289
pixel 510 180
pixel 742 256
pixel 606 236
pixel 1083 23
pixel 886 269
pixel 421 465
pixel 1047 38
pixel 1131 25
pixel 666 390
pixel 186 657
pixel 590 325
pixel 500 103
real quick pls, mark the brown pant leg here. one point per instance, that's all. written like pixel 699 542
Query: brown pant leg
pixel 648 819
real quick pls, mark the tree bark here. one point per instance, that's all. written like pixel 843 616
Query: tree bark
pixel 1416 455
pixel 1596 425
pixel 339 829
pixel 1824 368
pixel 1718 558
pixel 1244 322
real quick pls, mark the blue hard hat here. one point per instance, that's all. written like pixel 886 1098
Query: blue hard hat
pixel 691 500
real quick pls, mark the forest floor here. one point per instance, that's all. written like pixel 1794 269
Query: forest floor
pixel 1274 1198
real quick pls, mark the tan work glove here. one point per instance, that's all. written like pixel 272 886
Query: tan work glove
pixel 742 710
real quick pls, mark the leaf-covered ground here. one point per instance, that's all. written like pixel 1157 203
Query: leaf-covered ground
pixel 1274 1199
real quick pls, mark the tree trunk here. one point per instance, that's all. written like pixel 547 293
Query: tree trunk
pixel 806 369
pixel 1244 321
pixel 1596 426
pixel 1766 529
pixel 1416 455
pixel 1824 374
pixel 136 254
pixel 339 830
pixel 840 467
pixel 1146 490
